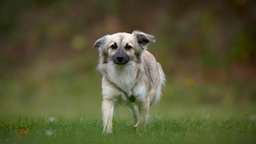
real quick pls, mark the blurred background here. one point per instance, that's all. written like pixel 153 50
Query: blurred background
pixel 48 63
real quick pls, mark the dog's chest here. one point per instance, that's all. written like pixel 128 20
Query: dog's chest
pixel 124 77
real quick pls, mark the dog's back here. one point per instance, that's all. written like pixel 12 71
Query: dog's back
pixel 155 75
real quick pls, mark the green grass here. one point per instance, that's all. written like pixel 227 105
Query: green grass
pixel 160 130
pixel 190 111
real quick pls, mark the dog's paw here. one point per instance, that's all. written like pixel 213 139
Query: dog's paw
pixel 140 129
pixel 106 133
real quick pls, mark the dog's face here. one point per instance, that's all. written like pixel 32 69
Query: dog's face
pixel 123 47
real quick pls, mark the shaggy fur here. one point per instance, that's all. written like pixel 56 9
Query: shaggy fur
pixel 130 76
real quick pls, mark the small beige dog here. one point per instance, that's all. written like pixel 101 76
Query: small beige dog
pixel 130 76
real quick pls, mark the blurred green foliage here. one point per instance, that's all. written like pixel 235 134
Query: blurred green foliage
pixel 206 48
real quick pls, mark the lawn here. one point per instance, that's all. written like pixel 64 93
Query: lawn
pixel 65 108
pixel 161 129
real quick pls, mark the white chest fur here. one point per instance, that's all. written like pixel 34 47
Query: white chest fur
pixel 123 76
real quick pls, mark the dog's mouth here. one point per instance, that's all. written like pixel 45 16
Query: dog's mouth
pixel 121 60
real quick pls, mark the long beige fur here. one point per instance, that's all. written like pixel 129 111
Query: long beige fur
pixel 130 76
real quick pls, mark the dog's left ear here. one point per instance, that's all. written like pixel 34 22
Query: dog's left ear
pixel 143 38
pixel 101 41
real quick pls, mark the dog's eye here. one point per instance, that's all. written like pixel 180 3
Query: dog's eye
pixel 114 46
pixel 127 46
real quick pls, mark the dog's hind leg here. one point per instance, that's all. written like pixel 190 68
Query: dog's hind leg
pixel 135 112
pixel 107 115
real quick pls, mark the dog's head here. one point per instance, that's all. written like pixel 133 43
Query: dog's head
pixel 123 47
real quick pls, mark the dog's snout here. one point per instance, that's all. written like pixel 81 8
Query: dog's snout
pixel 120 58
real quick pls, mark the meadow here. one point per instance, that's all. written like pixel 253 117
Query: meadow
pixel 65 108
pixel 192 128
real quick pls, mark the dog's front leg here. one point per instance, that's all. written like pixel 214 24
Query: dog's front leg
pixel 143 116
pixel 135 112
pixel 107 115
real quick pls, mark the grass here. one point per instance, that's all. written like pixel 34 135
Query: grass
pixel 63 106
pixel 160 130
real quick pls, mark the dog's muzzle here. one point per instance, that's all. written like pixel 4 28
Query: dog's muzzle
pixel 121 58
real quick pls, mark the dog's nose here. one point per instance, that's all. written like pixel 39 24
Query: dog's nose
pixel 120 58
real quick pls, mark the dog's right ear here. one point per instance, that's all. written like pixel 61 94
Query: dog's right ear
pixel 101 41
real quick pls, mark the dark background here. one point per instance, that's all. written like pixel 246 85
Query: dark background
pixel 48 63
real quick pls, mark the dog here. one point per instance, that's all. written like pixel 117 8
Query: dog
pixel 130 76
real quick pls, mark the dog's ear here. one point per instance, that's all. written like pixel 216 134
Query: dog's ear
pixel 143 38
pixel 101 41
